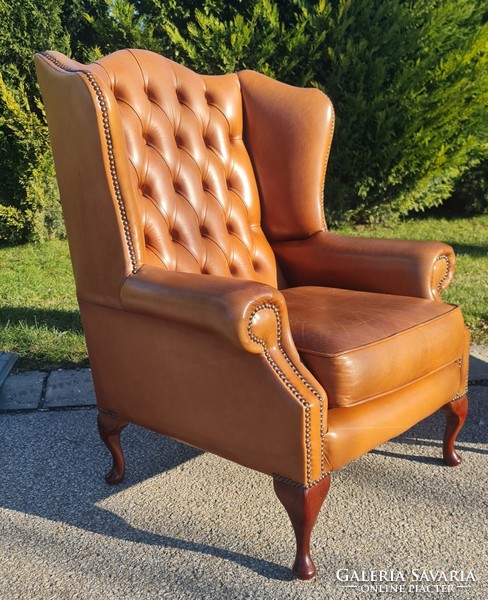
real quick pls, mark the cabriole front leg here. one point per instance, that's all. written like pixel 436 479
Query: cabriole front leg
pixel 110 425
pixel 303 506
pixel 455 412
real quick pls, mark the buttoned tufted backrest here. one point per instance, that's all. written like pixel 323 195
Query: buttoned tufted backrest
pixel 196 192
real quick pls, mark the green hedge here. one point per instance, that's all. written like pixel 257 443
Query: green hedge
pixel 29 205
pixel 408 81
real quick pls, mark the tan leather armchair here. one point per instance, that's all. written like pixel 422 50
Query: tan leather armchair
pixel 217 308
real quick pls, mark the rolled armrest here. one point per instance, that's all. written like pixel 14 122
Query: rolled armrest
pixel 222 305
pixel 401 267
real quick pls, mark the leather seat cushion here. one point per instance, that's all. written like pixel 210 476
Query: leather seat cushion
pixel 362 345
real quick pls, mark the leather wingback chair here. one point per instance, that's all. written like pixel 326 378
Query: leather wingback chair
pixel 217 308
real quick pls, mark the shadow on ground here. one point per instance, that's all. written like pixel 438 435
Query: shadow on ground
pixel 58 476
pixel 54 464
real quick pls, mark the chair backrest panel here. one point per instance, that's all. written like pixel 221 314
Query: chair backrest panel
pixel 198 198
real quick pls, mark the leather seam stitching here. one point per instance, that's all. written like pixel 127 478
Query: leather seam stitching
pixel 297 484
pixel 440 285
pixel 459 395
pixel 398 388
pixel 295 392
pixel 377 342
pixel 327 154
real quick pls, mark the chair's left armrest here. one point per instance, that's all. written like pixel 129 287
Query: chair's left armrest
pixel 401 267
pixel 220 305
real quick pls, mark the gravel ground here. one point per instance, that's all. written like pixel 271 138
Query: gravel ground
pixel 188 525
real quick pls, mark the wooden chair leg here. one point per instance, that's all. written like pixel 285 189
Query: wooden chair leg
pixel 455 412
pixel 303 506
pixel 110 426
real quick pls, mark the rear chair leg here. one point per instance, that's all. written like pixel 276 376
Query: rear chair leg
pixel 303 506
pixel 110 426
pixel 455 412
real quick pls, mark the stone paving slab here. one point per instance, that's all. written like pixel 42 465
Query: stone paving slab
pixel 7 361
pixel 478 363
pixel 69 388
pixel 23 391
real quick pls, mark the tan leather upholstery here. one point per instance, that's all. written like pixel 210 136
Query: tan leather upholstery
pixel 191 175
pixel 288 133
pixel 421 269
pixel 355 430
pixel 180 194
pixel 362 345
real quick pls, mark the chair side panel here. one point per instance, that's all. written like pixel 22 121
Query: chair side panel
pixel 103 252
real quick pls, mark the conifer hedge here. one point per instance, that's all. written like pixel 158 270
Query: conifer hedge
pixel 408 79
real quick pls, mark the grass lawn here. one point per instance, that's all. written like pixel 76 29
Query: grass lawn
pixel 39 315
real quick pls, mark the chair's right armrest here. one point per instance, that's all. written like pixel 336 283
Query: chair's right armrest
pixel 404 267
pixel 222 305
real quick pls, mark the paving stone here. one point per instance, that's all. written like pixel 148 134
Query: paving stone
pixel 22 391
pixel 7 361
pixel 478 363
pixel 69 388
